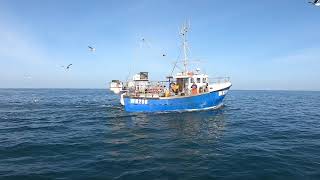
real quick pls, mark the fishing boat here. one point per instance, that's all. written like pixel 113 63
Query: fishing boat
pixel 188 90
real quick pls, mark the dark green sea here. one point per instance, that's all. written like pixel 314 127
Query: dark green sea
pixel 86 134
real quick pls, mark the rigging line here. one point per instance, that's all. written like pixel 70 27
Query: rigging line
pixel 128 76
pixel 154 49
pixel 176 63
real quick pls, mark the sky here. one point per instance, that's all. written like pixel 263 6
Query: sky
pixel 260 45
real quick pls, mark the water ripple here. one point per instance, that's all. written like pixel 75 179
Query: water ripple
pixel 86 134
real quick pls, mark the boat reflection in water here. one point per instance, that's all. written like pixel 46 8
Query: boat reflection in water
pixel 188 125
pixel 171 137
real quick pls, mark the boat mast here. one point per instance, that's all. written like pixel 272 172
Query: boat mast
pixel 183 32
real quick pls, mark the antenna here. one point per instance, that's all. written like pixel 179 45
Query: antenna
pixel 183 33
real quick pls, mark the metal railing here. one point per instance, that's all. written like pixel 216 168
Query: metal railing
pixel 150 89
pixel 219 80
pixel 154 89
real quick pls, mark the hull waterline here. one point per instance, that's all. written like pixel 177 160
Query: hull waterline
pixel 210 100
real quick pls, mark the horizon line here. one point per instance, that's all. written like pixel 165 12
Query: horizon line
pixel 109 90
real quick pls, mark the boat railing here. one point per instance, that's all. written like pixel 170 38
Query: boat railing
pixel 218 80
pixel 155 89
pixel 150 89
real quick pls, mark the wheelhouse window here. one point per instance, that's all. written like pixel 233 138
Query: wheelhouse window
pixel 198 80
pixel 192 80
pixel 204 80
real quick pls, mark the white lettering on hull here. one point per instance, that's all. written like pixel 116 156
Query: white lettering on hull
pixel 221 93
pixel 138 101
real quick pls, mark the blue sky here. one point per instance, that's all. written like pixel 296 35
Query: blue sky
pixel 260 44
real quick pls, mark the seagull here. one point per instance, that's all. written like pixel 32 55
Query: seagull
pixel 144 42
pixel 92 49
pixel 27 76
pixel 315 2
pixel 67 66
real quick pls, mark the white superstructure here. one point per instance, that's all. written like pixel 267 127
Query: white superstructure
pixel 116 86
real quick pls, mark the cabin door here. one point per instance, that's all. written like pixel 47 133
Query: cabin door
pixel 183 84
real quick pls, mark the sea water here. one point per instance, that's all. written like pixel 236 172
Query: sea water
pixel 86 134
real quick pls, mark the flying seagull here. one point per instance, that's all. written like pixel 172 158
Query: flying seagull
pixel 315 2
pixel 92 49
pixel 68 67
pixel 144 42
pixel 27 76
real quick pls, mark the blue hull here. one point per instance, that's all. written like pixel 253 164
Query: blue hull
pixel 188 103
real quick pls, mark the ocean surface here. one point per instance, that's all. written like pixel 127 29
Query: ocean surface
pixel 86 134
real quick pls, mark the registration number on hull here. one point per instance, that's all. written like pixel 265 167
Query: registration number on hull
pixel 221 93
pixel 138 101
